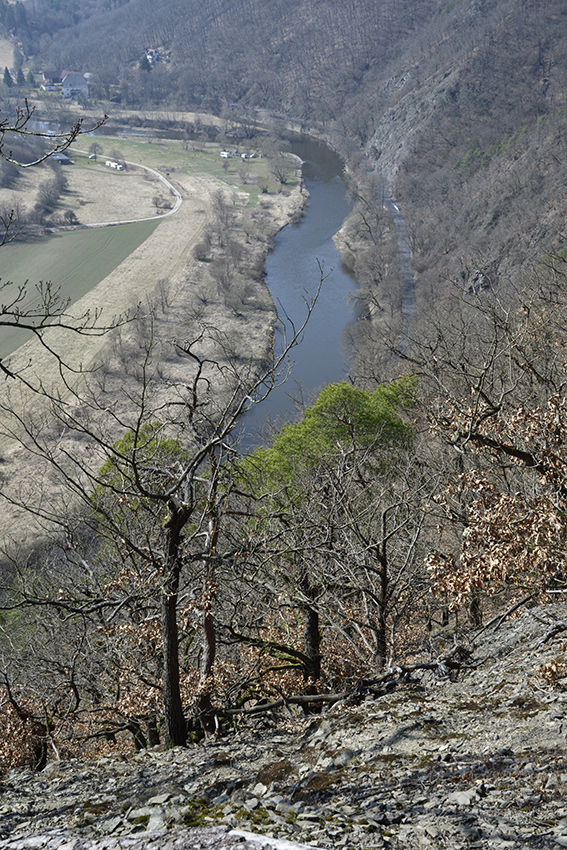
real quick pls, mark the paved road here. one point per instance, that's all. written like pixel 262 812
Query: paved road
pixel 404 252
pixel 164 180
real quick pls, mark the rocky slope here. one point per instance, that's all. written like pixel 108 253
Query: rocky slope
pixel 467 132
pixel 472 759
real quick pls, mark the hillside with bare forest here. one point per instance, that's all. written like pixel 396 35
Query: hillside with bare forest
pixel 459 105
pixel 352 635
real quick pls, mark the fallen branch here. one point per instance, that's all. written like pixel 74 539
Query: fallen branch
pixel 453 661
pixel 499 619
pixel 300 699
pixel 281 651
pixel 556 629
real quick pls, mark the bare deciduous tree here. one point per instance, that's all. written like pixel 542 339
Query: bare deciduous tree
pixel 155 496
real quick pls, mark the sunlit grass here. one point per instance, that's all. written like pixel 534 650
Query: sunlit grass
pixel 76 262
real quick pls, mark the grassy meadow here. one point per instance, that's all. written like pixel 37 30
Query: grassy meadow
pixel 75 262
pixel 195 159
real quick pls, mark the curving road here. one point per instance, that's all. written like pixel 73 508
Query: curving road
pixel 404 253
pixel 164 180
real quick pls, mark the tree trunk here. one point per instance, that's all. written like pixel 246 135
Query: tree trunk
pixel 204 703
pixel 311 631
pixel 475 608
pixel 175 727
pixel 153 734
pixel 445 611
pixel 312 644
pixel 381 651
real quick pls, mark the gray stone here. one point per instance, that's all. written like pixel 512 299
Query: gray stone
pixel 285 807
pixel 109 825
pixel 463 798
pixel 259 790
pixel 343 758
pixel 158 799
pixel 136 814
pixel 156 822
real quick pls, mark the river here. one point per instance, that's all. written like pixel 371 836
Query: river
pixel 292 276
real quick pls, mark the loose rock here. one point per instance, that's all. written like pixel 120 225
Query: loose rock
pixel 475 762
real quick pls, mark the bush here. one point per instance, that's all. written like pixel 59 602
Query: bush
pixel 201 251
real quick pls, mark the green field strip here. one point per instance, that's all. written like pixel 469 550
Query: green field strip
pixel 76 262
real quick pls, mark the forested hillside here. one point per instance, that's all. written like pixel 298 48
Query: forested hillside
pixel 459 105
pixel 282 55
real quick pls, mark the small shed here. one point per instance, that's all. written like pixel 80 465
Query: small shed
pixel 61 158
pixel 51 78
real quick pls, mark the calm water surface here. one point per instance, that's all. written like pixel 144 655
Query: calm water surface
pixel 293 275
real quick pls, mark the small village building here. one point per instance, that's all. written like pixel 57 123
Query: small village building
pixel 61 158
pixel 50 80
pixel 74 84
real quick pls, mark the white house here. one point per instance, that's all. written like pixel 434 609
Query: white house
pixel 74 84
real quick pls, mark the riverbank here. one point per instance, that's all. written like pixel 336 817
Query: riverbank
pixel 168 292
pixel 301 257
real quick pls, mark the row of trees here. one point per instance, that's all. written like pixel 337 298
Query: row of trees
pixel 20 79
pixel 50 191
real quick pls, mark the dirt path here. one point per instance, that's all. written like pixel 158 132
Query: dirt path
pixel 134 280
